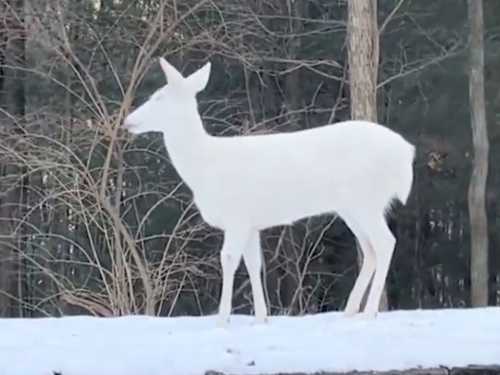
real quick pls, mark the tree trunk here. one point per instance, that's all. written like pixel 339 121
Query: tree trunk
pixel 11 201
pixel 363 56
pixel 294 80
pixel 477 186
pixel 362 34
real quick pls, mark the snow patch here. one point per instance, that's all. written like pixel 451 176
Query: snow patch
pixel 135 345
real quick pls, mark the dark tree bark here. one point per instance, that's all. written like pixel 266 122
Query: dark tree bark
pixel 295 10
pixel 3 48
pixel 13 54
pixel 477 186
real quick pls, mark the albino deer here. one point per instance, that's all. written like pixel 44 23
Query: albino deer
pixel 244 184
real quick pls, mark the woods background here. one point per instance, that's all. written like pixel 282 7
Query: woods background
pixel 93 221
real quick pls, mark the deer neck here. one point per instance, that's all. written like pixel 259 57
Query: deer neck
pixel 186 143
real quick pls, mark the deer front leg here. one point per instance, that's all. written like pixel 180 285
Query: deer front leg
pixel 234 243
pixel 252 255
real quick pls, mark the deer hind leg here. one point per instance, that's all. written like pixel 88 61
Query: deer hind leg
pixel 383 242
pixel 365 273
pixel 252 255
pixel 232 248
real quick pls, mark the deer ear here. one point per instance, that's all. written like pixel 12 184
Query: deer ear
pixel 199 79
pixel 174 77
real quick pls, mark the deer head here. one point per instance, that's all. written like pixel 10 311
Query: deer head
pixel 170 103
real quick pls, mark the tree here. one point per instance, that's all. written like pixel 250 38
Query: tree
pixel 477 186
pixel 363 56
pixel 12 81
pixel 278 65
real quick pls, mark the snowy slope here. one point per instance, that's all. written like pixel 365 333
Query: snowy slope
pixel 191 345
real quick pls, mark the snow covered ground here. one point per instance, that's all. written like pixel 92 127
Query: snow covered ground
pixel 141 345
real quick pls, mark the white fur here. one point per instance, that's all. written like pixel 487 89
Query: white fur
pixel 247 183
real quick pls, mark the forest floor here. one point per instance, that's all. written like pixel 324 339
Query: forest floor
pixel 328 342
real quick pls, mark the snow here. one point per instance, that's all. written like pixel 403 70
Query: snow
pixel 136 345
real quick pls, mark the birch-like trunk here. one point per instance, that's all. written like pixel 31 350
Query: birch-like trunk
pixel 477 186
pixel 363 56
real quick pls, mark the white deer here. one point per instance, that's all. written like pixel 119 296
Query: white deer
pixel 243 184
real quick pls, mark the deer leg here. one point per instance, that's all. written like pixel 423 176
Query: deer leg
pixel 232 248
pixel 383 245
pixel 363 280
pixel 252 255
pixel 365 273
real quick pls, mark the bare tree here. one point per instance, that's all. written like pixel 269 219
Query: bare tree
pixel 477 187
pixel 12 194
pixel 363 56
pixel 92 221
pixel 363 51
